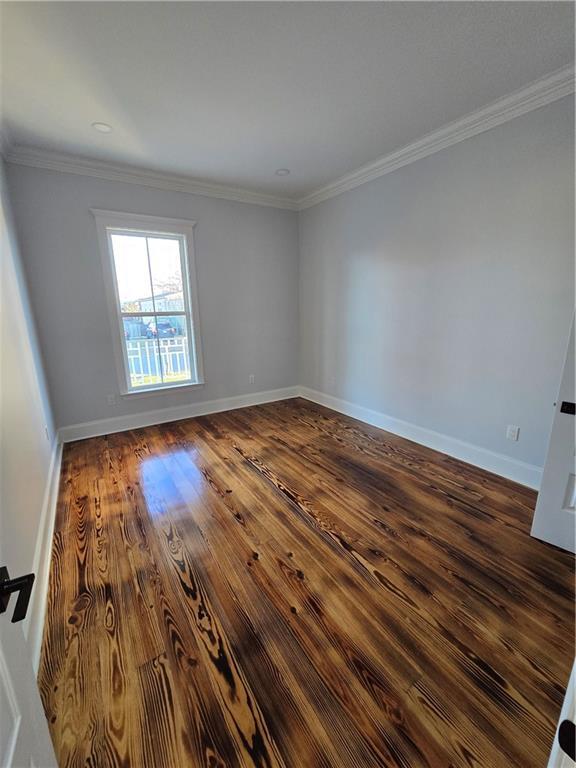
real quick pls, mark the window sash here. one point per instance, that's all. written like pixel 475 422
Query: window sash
pixel 193 377
pixel 151 313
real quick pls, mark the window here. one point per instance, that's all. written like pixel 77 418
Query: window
pixel 149 272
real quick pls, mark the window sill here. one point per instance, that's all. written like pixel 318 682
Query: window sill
pixel 160 390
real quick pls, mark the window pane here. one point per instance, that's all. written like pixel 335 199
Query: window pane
pixel 142 351
pixel 132 273
pixel 166 274
pixel 172 335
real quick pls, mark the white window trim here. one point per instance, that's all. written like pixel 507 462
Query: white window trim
pixel 184 228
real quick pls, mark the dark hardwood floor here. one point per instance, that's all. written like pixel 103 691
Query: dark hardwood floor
pixel 285 586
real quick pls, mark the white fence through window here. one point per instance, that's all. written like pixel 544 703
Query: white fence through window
pixel 151 361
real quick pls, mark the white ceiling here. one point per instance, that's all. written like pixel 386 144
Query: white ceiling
pixel 229 92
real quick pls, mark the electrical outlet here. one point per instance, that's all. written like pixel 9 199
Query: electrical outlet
pixel 512 432
pixel 251 378
pixel 111 399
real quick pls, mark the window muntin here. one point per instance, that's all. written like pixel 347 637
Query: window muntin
pixel 151 279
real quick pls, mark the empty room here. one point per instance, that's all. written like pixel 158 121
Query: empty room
pixel 287 385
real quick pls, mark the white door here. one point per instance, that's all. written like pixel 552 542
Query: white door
pixel 24 738
pixel 555 515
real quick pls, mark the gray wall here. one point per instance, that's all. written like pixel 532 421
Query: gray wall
pixel 247 269
pixel 442 293
pixel 25 448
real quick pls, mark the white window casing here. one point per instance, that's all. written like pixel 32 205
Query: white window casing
pixel 151 363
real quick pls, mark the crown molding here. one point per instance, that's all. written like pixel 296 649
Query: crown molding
pixel 539 93
pixel 103 169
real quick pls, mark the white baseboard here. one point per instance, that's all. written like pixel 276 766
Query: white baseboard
pixel 505 466
pixel 34 622
pixel 163 415
pixel 519 471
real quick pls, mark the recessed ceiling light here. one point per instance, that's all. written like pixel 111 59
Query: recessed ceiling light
pixel 282 172
pixel 102 127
